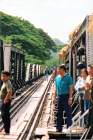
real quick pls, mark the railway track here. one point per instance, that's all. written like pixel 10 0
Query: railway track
pixel 33 99
pixel 28 131
pixel 20 101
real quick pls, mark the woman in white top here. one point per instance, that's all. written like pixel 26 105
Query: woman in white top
pixel 80 88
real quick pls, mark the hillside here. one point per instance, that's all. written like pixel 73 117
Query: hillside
pixel 36 44
pixel 58 42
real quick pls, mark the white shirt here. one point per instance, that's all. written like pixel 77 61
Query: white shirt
pixel 79 84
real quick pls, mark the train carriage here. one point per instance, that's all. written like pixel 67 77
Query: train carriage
pixel 13 60
pixel 33 71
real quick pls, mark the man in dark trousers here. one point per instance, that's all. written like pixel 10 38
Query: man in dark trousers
pixel 63 90
pixel 6 95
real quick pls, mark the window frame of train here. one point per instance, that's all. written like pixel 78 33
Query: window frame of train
pixel 1 56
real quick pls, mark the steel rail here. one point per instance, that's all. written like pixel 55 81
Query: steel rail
pixel 18 102
pixel 28 131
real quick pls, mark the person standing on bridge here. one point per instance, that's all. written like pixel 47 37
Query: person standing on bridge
pixel 6 95
pixel 46 73
pixel 89 95
pixel 80 88
pixel 63 91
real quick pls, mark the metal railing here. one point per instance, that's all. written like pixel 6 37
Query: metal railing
pixel 79 119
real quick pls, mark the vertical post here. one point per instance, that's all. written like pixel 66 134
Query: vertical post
pixel 1 56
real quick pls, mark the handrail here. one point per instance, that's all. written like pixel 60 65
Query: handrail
pixel 74 98
pixel 76 116
pixel 80 118
pixel 75 109
pixel 88 131
pixel 82 137
pixel 84 114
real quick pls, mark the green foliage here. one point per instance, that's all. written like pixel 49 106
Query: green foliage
pixel 59 47
pixel 36 44
pixel 53 61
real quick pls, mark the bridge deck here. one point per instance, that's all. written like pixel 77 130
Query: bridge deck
pixel 19 123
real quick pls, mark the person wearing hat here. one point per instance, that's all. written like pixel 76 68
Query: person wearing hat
pixel 63 91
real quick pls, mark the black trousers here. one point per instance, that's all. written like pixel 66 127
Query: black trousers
pixel 5 113
pixel 62 105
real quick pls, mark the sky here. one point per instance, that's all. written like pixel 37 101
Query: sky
pixel 56 17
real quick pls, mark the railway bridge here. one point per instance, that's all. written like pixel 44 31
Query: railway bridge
pixel 33 112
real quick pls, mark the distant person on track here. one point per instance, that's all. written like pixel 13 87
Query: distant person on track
pixel 63 91
pixel 46 73
pixel 5 96
pixel 54 72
